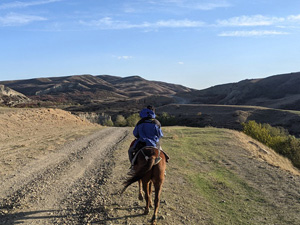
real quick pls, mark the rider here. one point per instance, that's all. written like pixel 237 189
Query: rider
pixel 147 131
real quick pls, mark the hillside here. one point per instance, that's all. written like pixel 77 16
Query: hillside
pixel 103 92
pixel 231 116
pixel 224 106
pixel 138 86
pixel 215 176
pixel 10 97
pixel 279 91
pixel 88 89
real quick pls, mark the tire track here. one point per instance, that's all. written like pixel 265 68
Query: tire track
pixel 41 193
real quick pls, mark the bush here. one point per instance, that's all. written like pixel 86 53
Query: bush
pixel 120 121
pixel 133 119
pixel 276 138
pixel 108 123
pixel 167 120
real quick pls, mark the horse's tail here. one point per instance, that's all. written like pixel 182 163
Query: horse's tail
pixel 140 173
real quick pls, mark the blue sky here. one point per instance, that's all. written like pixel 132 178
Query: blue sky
pixel 196 43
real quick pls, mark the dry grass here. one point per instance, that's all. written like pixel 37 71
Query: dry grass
pixel 262 152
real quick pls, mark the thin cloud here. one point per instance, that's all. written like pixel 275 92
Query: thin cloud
pixel 18 4
pixel 251 33
pixel 125 57
pixel 244 21
pixel 122 57
pixel 210 6
pixel 178 23
pixel 192 4
pixel 294 18
pixel 14 19
pixel 109 23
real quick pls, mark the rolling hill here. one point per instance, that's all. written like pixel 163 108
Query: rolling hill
pixel 226 105
pixel 86 89
pixel 231 116
pixel 279 91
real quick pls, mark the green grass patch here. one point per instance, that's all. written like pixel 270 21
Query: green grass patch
pixel 217 191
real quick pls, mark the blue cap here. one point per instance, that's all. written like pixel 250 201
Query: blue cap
pixel 147 113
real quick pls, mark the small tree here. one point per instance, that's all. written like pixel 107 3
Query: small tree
pixel 133 119
pixel 120 121
pixel 166 119
pixel 108 122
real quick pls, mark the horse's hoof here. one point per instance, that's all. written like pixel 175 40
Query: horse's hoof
pixel 146 212
pixel 154 220
pixel 141 197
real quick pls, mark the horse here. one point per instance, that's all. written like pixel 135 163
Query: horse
pixel 149 171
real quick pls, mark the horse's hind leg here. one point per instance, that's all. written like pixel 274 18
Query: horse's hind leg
pixel 156 201
pixel 147 196
pixel 150 194
pixel 141 194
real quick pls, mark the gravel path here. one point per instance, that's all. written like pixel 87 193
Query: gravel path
pixel 59 187
pixel 77 184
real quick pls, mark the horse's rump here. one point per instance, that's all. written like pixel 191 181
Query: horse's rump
pixel 146 151
pixel 144 163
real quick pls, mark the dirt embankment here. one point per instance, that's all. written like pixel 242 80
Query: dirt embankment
pixel 27 134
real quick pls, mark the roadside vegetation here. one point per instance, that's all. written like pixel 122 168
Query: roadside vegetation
pixel 130 121
pixel 276 138
pixel 121 121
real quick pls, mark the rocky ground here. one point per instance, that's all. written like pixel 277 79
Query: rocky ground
pixel 58 187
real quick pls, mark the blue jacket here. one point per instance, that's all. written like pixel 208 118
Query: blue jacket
pixel 147 129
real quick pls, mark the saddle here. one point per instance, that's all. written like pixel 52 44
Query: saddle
pixel 139 149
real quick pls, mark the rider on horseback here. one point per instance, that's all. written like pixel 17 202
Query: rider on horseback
pixel 147 131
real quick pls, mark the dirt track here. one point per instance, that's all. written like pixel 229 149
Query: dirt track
pixel 57 188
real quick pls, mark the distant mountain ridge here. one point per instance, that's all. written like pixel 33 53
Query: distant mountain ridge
pixel 104 92
pixel 85 89
pixel 279 91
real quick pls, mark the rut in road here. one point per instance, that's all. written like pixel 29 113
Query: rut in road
pixel 59 187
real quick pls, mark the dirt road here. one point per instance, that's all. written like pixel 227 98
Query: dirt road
pixel 59 187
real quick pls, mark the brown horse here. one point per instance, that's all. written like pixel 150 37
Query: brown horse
pixel 148 171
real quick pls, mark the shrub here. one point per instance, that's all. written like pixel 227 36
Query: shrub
pixel 133 119
pixel 276 138
pixel 108 123
pixel 120 121
pixel 167 120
